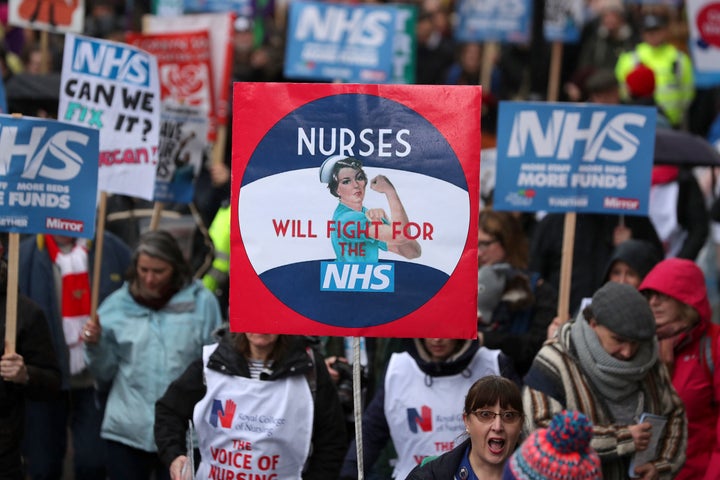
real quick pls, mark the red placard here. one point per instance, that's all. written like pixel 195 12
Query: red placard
pixel 220 28
pixel 305 259
pixel 184 66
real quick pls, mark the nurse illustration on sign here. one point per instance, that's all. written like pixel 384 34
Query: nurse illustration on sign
pixel 358 233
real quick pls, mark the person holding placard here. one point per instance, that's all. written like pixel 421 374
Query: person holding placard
pixel 150 330
pixel 56 272
pixel 690 347
pixel 596 237
pixel 629 263
pixel 29 372
pixel 605 364
pixel 263 406
pixel 606 36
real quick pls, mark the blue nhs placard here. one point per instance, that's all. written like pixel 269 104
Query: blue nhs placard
pixel 563 20
pixel 336 42
pixel 562 157
pixel 241 7
pixel 493 20
pixel 48 177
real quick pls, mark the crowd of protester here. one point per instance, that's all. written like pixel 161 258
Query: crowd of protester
pixel 640 338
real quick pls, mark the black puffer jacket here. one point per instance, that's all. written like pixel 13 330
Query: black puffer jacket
pixel 442 467
pixel 34 345
pixel 175 407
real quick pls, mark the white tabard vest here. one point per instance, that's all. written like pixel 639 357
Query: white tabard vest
pixel 662 211
pixel 427 420
pixel 253 429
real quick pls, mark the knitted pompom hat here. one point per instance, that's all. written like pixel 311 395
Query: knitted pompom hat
pixel 641 82
pixel 560 452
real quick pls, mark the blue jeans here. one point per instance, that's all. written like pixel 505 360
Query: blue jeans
pixel 125 462
pixel 45 443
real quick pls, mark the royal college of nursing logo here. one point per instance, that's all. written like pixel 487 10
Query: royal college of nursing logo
pixel 223 413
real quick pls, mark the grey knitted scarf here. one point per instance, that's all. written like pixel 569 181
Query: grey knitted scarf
pixel 616 380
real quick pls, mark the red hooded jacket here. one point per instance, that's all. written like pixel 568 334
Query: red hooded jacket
pixel 699 390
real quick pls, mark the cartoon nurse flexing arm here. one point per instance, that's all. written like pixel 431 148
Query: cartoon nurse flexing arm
pixel 358 233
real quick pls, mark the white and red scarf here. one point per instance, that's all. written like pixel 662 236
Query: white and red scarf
pixel 75 302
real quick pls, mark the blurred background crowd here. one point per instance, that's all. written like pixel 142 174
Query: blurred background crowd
pixel 628 53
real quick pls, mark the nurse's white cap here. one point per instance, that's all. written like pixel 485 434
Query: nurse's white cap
pixel 327 167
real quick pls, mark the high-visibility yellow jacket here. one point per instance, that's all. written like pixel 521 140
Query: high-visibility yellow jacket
pixel 217 277
pixel 674 82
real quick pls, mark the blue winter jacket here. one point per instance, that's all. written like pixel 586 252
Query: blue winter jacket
pixel 141 351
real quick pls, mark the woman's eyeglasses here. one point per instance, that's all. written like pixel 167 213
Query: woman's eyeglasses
pixel 488 416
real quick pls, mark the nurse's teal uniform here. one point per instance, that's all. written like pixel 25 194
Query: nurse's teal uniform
pixel 344 214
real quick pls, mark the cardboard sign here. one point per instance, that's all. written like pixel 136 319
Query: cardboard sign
pixel 354 210
pixel 704 27
pixel 48 177
pixel 563 20
pixel 167 8
pixel 350 43
pixel 493 20
pixel 184 67
pixel 114 88
pixel 562 157
pixel 241 7
pixel 220 28
pixel 53 16
pixel 182 144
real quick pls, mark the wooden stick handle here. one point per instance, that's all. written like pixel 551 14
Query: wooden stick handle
pixel 12 292
pixel 156 215
pixel 568 247
pixel 555 70
pixel 218 150
pixel 488 60
pixel 97 265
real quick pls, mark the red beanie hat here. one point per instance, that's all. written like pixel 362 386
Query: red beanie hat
pixel 641 82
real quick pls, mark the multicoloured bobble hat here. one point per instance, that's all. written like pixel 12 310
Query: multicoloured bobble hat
pixel 560 452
